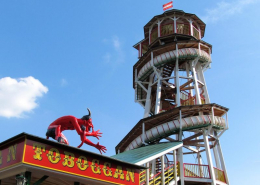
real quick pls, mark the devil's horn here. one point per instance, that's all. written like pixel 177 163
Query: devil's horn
pixel 89 112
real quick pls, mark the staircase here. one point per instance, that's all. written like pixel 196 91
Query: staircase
pixel 157 179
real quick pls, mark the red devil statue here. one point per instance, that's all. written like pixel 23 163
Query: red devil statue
pixel 83 127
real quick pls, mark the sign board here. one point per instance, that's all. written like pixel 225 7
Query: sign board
pixel 68 160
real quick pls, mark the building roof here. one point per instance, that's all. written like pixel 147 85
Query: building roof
pixel 175 12
pixel 66 147
pixel 144 154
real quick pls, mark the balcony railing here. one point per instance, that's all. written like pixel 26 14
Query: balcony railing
pixel 196 171
pixel 219 174
pixel 190 171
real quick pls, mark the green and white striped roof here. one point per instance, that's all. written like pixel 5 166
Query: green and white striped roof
pixel 145 154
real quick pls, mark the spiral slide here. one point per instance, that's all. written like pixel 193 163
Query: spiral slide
pixel 169 128
pixel 186 53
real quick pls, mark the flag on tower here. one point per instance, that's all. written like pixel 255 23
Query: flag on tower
pixel 167 6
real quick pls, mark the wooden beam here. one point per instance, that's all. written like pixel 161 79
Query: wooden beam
pixel 197 141
pixel 200 145
pixel 185 84
pixel 192 137
pixel 41 180
pixel 170 139
pixel 192 149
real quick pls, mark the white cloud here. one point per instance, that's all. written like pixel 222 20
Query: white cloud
pixel 63 82
pixel 116 43
pixel 107 57
pixel 116 54
pixel 18 96
pixel 225 9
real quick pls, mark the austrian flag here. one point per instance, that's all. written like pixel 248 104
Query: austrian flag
pixel 167 6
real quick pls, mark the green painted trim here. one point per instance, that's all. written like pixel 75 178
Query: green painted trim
pixel 28 176
pixel 202 59
pixel 184 129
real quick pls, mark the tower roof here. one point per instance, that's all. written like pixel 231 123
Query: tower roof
pixel 175 12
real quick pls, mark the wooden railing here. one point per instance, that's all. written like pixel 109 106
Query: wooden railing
pixel 196 171
pixel 156 179
pixel 220 175
pixel 190 170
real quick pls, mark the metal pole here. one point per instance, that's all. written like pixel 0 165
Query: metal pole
pixel 189 75
pixel 215 152
pixel 153 167
pixel 180 155
pixel 143 132
pixel 222 161
pixel 208 154
pixel 175 167
pixel 28 177
pixel 158 96
pixel 175 27
pixel 147 174
pixel 148 98
pixel 162 170
pixel 177 82
pixel 202 79
pixel 198 100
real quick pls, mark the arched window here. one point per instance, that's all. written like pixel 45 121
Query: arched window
pixel 196 33
pixel 144 46
pixel 167 27
pixel 183 27
pixel 154 34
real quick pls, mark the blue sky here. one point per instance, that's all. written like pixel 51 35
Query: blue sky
pixel 60 57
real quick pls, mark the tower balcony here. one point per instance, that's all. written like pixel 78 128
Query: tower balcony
pixel 193 173
pixel 174 24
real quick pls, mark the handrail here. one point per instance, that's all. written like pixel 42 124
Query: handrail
pixel 220 175
pixel 156 179
pixel 196 171
pixel 190 170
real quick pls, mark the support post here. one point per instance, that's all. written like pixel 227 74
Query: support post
pixel 202 79
pixel 41 180
pixel 191 28
pixel 223 166
pixel 150 30
pixel 189 75
pixel 162 170
pixel 147 108
pixel 175 167
pixel 208 154
pixel 227 120
pixel 177 82
pixel 143 132
pixel 158 96
pixel 147 176
pixel 215 152
pixel 180 156
pixel 180 132
pixel 28 176
pixel 159 28
pixel 175 24
pixel 140 50
pixel 198 100
pixel 199 158
pixel 153 167
pixel 135 85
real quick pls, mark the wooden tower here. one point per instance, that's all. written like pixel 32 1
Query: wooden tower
pixel 170 85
